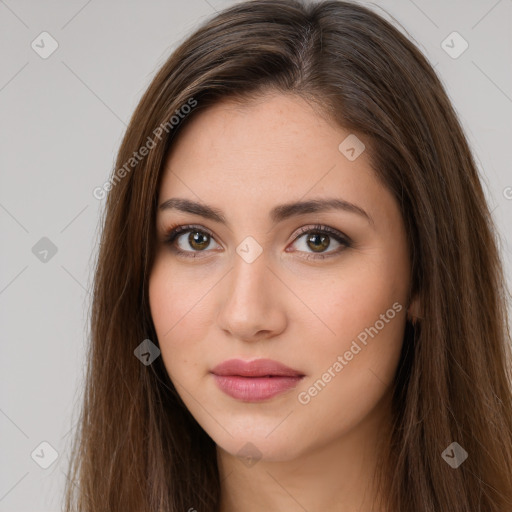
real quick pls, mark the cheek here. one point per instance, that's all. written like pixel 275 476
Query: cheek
pixel 353 369
pixel 363 306
pixel 175 305
pixel 368 338
pixel 356 297
pixel 175 297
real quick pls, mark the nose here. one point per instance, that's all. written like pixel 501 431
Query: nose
pixel 252 305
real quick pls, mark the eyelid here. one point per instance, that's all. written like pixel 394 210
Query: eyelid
pixel 322 228
pixel 178 229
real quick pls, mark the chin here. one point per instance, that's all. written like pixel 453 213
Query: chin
pixel 250 451
pixel 257 444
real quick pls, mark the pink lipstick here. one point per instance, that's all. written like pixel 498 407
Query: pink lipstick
pixel 254 381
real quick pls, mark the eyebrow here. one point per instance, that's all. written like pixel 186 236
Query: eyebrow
pixel 278 214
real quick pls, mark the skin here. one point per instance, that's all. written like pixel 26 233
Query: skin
pixel 244 160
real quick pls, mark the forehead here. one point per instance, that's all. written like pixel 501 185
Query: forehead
pixel 276 148
pixel 273 126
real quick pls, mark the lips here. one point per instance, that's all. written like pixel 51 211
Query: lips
pixel 256 368
pixel 254 381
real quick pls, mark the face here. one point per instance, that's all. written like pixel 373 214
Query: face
pixel 322 291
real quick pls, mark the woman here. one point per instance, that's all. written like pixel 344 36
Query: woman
pixel 298 251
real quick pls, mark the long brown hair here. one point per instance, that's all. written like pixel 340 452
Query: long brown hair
pixel 137 448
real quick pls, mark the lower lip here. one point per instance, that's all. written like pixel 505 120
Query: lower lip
pixel 254 389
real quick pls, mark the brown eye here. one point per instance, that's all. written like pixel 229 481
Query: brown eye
pixel 315 240
pixel 198 240
pixel 318 242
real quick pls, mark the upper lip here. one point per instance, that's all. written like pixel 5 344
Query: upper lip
pixel 255 368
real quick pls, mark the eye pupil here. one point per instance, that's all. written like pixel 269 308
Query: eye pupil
pixel 195 237
pixel 324 240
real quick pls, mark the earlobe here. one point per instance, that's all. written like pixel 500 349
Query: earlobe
pixel 414 310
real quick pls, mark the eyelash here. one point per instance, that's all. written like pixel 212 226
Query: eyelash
pixel 176 230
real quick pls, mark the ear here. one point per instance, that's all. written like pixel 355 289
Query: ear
pixel 414 309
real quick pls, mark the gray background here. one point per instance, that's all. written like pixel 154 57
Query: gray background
pixel 62 119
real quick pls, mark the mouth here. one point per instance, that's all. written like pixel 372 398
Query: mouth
pixel 254 381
